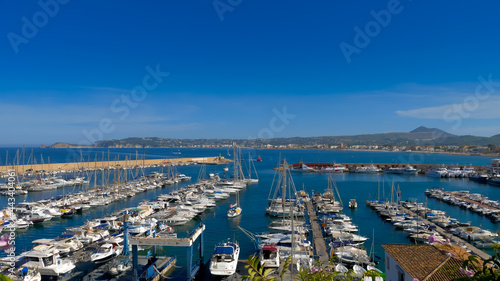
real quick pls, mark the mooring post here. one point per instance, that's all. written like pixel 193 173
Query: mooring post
pixel 201 247
pixel 154 247
pixel 189 261
pixel 135 259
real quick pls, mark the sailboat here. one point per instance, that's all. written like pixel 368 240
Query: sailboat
pixel 251 167
pixel 284 204
pixel 327 203
pixel 235 209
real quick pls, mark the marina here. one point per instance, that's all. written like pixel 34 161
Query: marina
pixel 252 204
pixel 463 199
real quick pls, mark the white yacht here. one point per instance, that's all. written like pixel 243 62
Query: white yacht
pixel 438 172
pixel 225 259
pixel 105 253
pixel 410 170
pixel 366 170
pixel 47 261
pixel 301 168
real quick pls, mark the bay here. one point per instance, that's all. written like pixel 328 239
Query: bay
pixel 253 199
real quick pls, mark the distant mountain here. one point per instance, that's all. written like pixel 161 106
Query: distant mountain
pixel 434 131
pixel 419 136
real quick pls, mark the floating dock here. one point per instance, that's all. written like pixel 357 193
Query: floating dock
pixel 446 234
pixel 385 166
pixel 319 240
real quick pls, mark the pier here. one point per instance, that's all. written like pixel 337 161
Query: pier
pixel 423 168
pixel 319 240
pixel 446 234
pixel 82 166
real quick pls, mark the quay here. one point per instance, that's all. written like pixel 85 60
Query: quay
pixel 82 166
pixel 462 197
pixel 423 168
pixel 445 234
pixel 319 240
pixel 482 204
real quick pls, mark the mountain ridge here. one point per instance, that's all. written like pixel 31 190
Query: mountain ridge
pixel 418 137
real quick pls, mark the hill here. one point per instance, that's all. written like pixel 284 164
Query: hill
pixel 419 136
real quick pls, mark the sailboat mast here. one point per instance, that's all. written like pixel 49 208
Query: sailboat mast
pixel 283 191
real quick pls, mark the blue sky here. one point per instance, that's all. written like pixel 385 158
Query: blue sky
pixel 233 64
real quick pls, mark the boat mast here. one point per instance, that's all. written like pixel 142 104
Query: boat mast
pixel 283 189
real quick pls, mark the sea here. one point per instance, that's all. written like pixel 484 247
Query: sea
pixel 253 199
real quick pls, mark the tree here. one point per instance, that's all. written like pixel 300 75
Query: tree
pixel 492 147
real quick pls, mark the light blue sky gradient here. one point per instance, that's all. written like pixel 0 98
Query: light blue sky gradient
pixel 226 77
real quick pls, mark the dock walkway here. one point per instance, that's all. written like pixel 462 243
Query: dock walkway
pixel 459 240
pixel 319 240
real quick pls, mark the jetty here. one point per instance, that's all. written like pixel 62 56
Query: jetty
pixel 446 234
pixel 319 240
pixel 82 166
pixel 423 168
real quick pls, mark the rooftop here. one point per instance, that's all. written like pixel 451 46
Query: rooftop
pixel 428 262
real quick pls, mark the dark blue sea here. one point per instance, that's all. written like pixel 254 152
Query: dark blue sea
pixel 254 198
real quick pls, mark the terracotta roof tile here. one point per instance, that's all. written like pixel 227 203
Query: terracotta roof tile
pixel 424 262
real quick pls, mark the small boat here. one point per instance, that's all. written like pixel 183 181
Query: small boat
pixel 269 257
pixel 353 204
pixel 371 267
pixel 225 259
pixel 105 253
pixel 120 268
pixel 358 270
pixel 234 209
pixel 341 268
pixel 259 159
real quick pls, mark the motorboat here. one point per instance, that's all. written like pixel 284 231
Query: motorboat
pixel 438 172
pixel 105 253
pixel 47 261
pixel 120 268
pixel 269 256
pixel 353 204
pixel 225 259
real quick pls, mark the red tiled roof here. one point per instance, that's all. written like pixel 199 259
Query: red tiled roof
pixel 425 262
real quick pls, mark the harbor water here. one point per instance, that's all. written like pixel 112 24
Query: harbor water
pixel 253 199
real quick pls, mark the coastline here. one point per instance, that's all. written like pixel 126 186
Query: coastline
pixel 490 155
